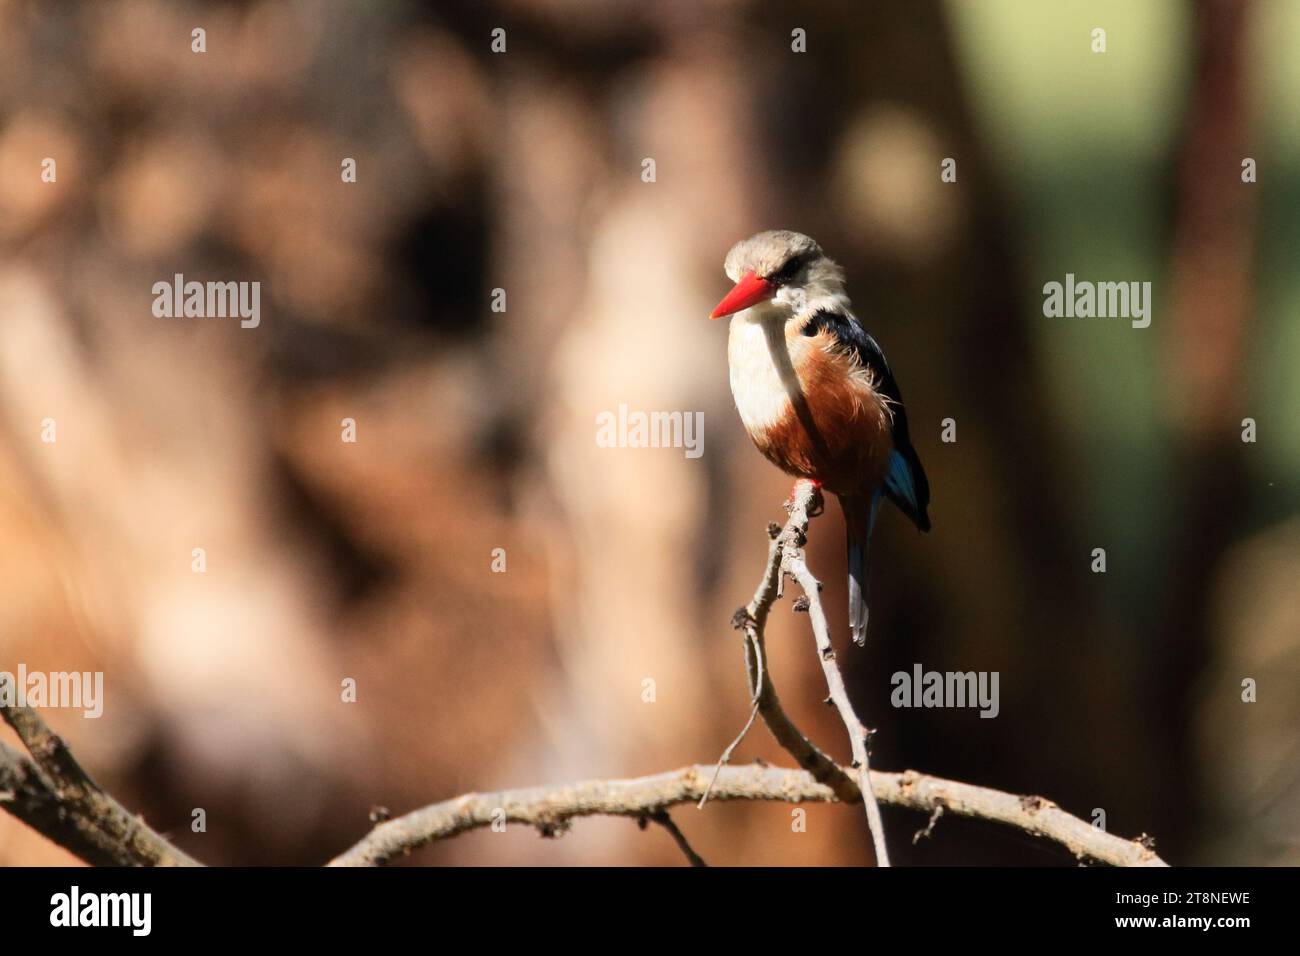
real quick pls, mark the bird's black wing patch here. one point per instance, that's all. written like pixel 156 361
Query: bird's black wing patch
pixel 906 484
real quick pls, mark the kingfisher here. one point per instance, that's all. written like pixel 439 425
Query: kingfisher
pixel 815 393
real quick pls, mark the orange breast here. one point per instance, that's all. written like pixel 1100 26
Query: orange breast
pixel 837 430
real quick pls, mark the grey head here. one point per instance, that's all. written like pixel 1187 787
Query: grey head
pixel 793 265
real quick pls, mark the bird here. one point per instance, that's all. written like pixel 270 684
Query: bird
pixel 815 392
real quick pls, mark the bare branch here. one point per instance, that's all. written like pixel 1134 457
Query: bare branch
pixel 786 556
pixel 551 808
pixel 55 797
pixel 752 620
pixel 98 830
pixel 1034 815
pixel 47 749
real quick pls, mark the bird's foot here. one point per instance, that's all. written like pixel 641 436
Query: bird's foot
pixel 819 503
pixel 788 504
pixel 794 491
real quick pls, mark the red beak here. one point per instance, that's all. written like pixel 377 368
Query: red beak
pixel 750 290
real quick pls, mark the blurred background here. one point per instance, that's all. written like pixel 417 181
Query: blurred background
pixel 475 429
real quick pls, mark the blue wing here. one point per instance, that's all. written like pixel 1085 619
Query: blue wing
pixel 905 484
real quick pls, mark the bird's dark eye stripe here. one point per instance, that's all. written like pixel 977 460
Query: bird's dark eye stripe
pixel 789 269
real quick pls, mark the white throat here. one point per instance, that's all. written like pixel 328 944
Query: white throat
pixel 761 381
pixel 764 361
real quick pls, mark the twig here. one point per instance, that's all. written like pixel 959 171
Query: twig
pixel 858 736
pixel 662 818
pixel 55 797
pixel 549 808
pixel 928 829
pixel 754 666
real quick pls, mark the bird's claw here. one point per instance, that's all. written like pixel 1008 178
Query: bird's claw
pixel 817 502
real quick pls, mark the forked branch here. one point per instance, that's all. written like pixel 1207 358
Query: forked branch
pixel 55 796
